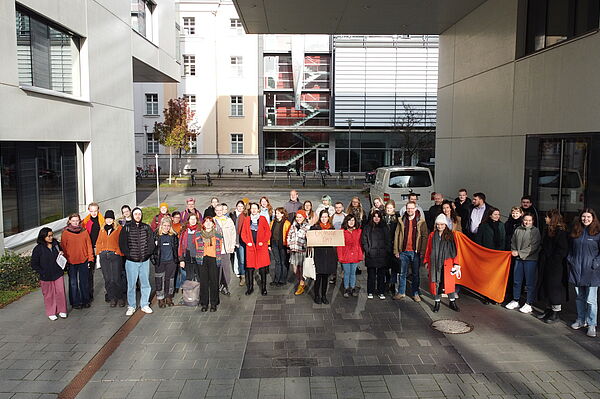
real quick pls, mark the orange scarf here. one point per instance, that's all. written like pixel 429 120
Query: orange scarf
pixel 325 226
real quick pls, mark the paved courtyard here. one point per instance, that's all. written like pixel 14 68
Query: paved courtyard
pixel 285 346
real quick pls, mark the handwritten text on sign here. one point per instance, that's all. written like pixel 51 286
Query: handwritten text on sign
pixel 325 238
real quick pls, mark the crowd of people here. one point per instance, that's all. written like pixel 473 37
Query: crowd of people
pixel 213 246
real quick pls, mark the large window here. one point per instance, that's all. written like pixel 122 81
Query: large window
pixel 47 55
pixel 552 21
pixel 39 183
pixel 189 25
pixel 152 143
pixel 237 106
pixel 278 72
pixel 141 17
pixel 193 144
pixel 151 104
pixel 236 65
pixel 281 109
pixel 189 65
pixel 237 143
pixel 316 72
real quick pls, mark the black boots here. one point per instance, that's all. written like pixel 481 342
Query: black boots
pixel 454 306
pixel 263 280
pixel 436 306
pixel 551 317
pixel 249 281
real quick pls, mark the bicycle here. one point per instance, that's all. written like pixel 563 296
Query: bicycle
pixel 208 179
pixel 192 178
pixel 220 173
pixel 249 171
pixel 303 179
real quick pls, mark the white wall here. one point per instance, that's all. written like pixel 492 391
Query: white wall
pixel 103 115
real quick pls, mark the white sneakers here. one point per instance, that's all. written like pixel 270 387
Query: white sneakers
pixel 63 315
pixel 147 309
pixel 130 311
pixel 53 317
pixel 381 296
pixel 578 324
pixel 526 308
pixel 370 296
pixel 515 304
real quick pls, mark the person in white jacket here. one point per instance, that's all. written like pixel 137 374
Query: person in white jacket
pixel 227 228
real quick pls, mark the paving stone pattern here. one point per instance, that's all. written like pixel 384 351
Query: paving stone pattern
pixel 293 337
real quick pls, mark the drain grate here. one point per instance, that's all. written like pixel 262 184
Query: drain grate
pixel 449 326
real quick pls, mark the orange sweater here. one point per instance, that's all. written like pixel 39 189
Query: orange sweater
pixel 77 247
pixel 109 242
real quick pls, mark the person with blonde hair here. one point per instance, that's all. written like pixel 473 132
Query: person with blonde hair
pixel 164 260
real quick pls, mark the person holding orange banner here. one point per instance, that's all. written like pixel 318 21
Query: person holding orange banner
pixel 441 261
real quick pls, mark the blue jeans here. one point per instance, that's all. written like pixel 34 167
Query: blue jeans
pixel 137 270
pixel 414 259
pixel 587 304
pixel 240 253
pixel 280 260
pixel 525 269
pixel 349 274
pixel 181 275
pixel 79 284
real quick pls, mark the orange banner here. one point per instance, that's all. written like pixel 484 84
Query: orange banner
pixel 483 270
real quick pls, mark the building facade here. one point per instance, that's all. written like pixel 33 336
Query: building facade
pixel 67 105
pixel 349 103
pixel 518 94
pixel 219 80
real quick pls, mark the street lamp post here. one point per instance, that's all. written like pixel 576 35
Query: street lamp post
pixel 157 183
pixel 349 135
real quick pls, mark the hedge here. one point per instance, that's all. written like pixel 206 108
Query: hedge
pixel 16 272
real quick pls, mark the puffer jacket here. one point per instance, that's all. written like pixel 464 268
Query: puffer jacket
pixel 377 244
pixel 527 242
pixel 584 260
pixel 137 242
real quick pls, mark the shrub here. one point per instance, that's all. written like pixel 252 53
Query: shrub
pixel 16 272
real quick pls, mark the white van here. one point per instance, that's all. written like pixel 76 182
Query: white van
pixel 397 182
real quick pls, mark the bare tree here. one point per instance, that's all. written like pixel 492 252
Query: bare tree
pixel 415 134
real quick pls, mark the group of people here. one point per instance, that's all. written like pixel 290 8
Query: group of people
pixel 212 246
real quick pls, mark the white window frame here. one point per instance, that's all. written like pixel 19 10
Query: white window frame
pixel 236 106
pixel 237 143
pixel 191 101
pixel 236 63
pixel 152 104
pixel 235 24
pixel 193 144
pixel 152 144
pixel 189 65
pixel 189 25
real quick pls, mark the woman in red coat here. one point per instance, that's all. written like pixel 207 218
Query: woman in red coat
pixel 441 261
pixel 256 235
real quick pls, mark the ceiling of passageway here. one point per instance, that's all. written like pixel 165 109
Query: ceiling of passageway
pixel 352 16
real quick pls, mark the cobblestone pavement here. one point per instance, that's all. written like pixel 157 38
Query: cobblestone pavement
pixel 285 346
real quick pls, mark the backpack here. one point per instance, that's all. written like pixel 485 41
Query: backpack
pixel 191 293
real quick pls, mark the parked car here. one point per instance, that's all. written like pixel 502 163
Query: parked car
pixel 572 192
pixel 397 182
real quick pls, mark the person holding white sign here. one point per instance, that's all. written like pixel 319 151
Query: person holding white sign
pixel 325 260
pixel 43 261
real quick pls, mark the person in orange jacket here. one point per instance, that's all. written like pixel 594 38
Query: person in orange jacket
pixel 111 259
pixel 441 260
pixel 93 222
pixel 278 245
pixel 77 247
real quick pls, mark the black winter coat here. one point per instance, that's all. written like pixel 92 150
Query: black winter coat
pixel 377 245
pixel 137 242
pixel 43 261
pixel 325 257
pixel 464 211
pixel 155 258
pixel 551 260
pixel 509 228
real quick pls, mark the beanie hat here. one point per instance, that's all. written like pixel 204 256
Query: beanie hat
pixel 303 213
pixel 164 204
pixel 109 214
pixel 441 219
pixel 137 208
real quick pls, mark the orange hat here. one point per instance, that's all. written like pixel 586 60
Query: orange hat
pixel 303 213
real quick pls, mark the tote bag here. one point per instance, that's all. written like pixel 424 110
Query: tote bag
pixel 308 267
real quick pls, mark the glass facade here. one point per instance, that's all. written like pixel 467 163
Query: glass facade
pixel 39 183
pixel 285 150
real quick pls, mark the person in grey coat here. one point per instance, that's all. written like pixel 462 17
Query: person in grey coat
pixel 584 269
pixel 525 247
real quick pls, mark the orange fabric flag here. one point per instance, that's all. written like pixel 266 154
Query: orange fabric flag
pixel 481 269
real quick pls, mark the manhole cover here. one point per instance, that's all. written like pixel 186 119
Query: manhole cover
pixel 449 326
